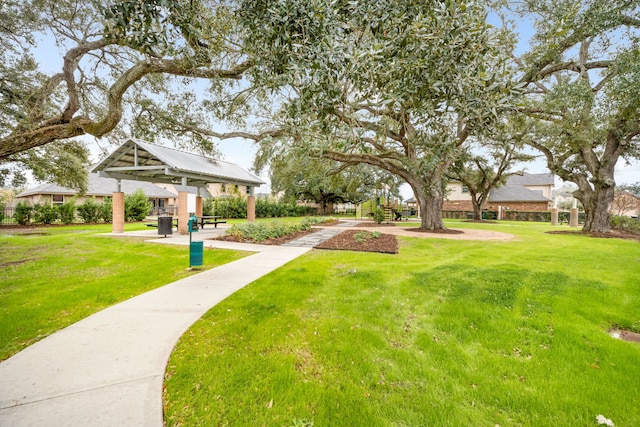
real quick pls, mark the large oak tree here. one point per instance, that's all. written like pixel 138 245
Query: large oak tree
pixel 121 71
pixel 583 76
pixel 400 85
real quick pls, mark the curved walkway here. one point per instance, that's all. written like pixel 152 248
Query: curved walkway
pixel 108 369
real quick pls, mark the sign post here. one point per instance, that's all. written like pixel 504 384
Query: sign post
pixel 196 249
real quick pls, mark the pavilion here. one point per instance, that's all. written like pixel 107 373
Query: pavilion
pixel 138 160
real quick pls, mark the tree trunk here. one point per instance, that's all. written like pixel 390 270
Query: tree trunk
pixel 430 203
pixel 597 205
pixel 477 208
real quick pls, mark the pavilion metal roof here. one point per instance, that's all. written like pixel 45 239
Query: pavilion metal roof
pixel 144 161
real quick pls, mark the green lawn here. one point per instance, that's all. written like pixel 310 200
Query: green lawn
pixel 56 276
pixel 459 333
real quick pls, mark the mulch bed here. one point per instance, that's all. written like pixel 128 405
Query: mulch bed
pixel 375 224
pixel 275 242
pixel 365 242
pixel 613 234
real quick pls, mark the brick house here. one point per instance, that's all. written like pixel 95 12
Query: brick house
pixel 98 188
pixel 526 192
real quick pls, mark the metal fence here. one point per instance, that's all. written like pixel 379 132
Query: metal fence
pixel 6 215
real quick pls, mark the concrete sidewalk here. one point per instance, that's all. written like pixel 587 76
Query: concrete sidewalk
pixel 108 369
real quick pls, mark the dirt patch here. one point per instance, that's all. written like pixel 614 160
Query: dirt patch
pixel 22 261
pixel 447 231
pixel 614 234
pixel 363 241
pixel 481 221
pixel 625 335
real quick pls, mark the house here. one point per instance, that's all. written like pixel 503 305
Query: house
pixel 626 203
pixel 98 188
pixel 526 192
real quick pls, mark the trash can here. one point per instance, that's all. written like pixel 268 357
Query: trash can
pixel 195 253
pixel 165 225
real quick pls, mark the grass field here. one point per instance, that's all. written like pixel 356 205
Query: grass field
pixel 56 276
pixel 446 333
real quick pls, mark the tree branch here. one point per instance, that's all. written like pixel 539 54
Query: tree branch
pixel 24 139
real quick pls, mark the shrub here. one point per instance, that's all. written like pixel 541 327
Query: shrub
pixel 89 211
pixel 106 210
pixel 378 215
pixel 45 213
pixel 1 213
pixel 137 206
pixel 625 224
pixel 236 207
pixel 208 207
pixel 22 214
pixel 67 211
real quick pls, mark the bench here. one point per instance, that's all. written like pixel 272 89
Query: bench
pixel 214 222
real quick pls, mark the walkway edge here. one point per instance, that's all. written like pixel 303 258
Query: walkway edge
pixel 108 369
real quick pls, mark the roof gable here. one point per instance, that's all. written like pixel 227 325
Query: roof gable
pixel 143 161
pixel 515 193
pixel 531 179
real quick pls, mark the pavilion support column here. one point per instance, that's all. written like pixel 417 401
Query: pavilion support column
pixel 251 205
pixel 117 214
pixel 198 203
pixel 183 212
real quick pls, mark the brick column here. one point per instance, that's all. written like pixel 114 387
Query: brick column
pixel 183 213
pixel 199 206
pixel 118 212
pixel 251 208
pixel 554 216
pixel 573 217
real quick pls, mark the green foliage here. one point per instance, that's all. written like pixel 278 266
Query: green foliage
pixel 378 216
pixel 89 211
pixel 363 236
pixel 625 224
pixel 106 210
pixel 263 230
pixel 137 206
pixel 1 213
pixel 445 333
pixel 397 85
pixel 45 213
pixel 584 121
pixel 208 207
pixel 67 211
pixel 231 207
pixel 23 212
pixel 236 207
pixel 306 178
pixel 49 282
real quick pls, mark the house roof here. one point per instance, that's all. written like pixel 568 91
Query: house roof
pixel 143 161
pixel 99 186
pixel 515 193
pixel 531 179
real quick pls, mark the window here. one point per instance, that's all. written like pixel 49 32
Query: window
pixel 58 199
pixel 223 188
pixel 465 189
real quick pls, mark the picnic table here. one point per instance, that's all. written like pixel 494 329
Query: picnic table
pixel 210 219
